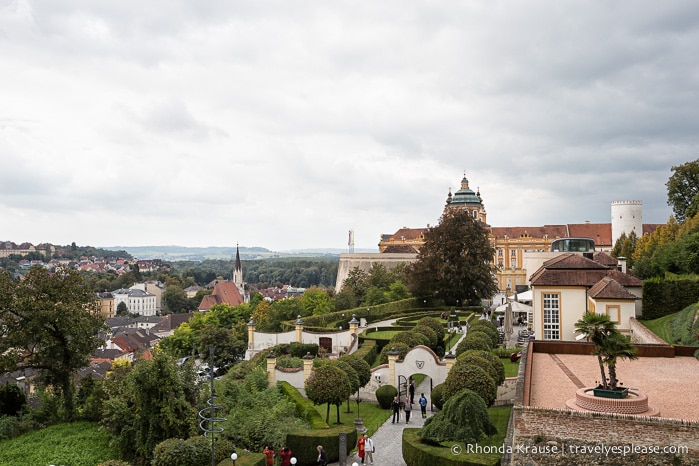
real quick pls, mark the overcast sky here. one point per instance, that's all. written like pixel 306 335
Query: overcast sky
pixel 284 124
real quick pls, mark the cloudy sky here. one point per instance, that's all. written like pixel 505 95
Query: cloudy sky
pixel 284 124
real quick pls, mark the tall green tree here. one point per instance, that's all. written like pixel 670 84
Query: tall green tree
pixel 152 401
pixel 683 190
pixel 49 323
pixel 455 263
pixel 176 300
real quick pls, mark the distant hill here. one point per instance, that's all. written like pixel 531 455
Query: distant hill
pixel 184 253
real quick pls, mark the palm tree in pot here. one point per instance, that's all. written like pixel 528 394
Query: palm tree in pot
pixel 596 328
pixel 613 347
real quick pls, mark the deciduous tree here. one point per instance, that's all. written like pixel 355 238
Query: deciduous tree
pixel 455 263
pixel 49 323
pixel 683 190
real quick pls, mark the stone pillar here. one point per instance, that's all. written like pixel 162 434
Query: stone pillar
pixel 271 368
pixel 299 330
pixel 450 359
pixel 307 366
pixel 392 359
pixel 251 334
pixel 354 325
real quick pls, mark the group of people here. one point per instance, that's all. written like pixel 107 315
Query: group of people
pixel 284 454
pixel 407 404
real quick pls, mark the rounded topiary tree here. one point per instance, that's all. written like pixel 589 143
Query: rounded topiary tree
pixel 402 349
pixel 494 360
pixel 489 330
pixel 410 338
pixel 361 366
pixel 429 333
pixel 437 395
pixel 474 341
pixel 463 419
pixel 385 395
pixel 470 377
pixel 435 325
pixel 481 362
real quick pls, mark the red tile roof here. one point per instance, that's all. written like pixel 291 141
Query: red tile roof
pixel 608 288
pixel 224 293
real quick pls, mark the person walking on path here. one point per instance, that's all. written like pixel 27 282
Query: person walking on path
pixel 361 447
pixel 407 407
pixel 423 405
pixel 395 405
pixel 322 456
pixel 368 449
pixel 411 390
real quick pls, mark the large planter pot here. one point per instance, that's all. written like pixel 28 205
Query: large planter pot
pixel 609 393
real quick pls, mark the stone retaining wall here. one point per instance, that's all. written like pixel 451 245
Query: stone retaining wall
pixel 640 334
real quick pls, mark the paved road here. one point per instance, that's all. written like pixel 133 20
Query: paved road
pixel 387 439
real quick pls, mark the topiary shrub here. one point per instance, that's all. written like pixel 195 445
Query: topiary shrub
pixel 481 362
pixel 483 323
pixel 385 395
pixel 473 378
pixel 437 395
pixel 410 338
pixel 429 333
pixel 402 349
pixel 435 325
pixel 463 419
pixel 492 358
pixel 474 341
pixel 489 330
pixel 299 350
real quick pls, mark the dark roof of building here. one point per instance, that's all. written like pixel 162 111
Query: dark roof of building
pixel 570 269
pixel 400 249
pixel 608 288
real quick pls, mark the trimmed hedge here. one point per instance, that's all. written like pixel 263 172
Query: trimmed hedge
pixel 471 377
pixel 492 358
pixel 303 443
pixel 416 452
pixel 367 351
pixel 666 296
pixel 304 407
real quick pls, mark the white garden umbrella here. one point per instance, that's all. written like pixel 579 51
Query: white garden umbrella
pixel 508 324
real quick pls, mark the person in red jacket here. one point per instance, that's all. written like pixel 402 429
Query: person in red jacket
pixel 360 447
pixel 269 453
pixel 285 455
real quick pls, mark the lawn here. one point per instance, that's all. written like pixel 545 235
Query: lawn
pixel 381 334
pixel 661 327
pixel 74 444
pixel 371 413
pixel 511 368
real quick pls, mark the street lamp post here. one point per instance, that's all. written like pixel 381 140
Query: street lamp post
pixel 234 456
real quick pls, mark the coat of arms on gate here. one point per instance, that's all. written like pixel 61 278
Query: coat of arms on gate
pixel 419 364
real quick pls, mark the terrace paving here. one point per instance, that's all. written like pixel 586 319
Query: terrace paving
pixel 670 383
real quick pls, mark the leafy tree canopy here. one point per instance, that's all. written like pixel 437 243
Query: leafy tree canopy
pixel 683 190
pixel 455 263
pixel 49 324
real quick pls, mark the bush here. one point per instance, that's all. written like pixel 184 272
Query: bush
pixel 290 362
pixel 429 333
pixel 437 395
pixel 435 325
pixel 489 330
pixel 481 362
pixel 464 419
pixel 402 349
pixel 12 400
pixel 9 427
pixel 305 408
pixel 474 341
pixel 194 451
pixel 504 353
pixel 473 378
pixel 494 361
pixel 299 350
pixel 114 463
pixel 410 338
pixel 385 395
